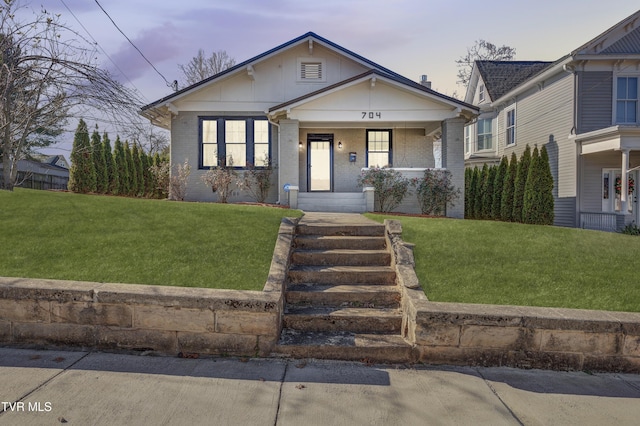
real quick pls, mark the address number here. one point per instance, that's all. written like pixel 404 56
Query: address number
pixel 371 115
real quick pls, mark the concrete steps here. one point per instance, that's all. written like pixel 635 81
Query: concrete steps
pixel 342 301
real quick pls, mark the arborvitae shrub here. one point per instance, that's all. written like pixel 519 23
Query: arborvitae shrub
pixel 82 175
pixel 506 208
pixel 110 165
pixel 498 185
pixel 530 201
pixel 487 192
pixel 477 193
pixel 122 168
pixel 468 174
pixel 546 189
pixel 520 182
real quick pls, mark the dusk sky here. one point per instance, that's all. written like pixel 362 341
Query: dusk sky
pixel 410 37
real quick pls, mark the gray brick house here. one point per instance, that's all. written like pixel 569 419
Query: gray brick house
pixel 321 113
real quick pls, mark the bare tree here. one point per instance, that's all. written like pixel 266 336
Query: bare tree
pixel 46 71
pixel 201 66
pixel 482 50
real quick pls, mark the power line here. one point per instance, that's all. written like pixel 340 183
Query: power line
pixel 102 49
pixel 134 46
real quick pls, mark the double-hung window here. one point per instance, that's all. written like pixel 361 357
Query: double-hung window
pixel 627 100
pixel 467 139
pixel 234 141
pixel 510 128
pixel 485 135
pixel 378 148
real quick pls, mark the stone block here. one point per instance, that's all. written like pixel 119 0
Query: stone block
pixel 255 323
pixel 437 335
pixel 266 345
pixel 631 346
pixel 570 319
pixel 24 310
pixel 92 314
pixel 612 364
pixel 59 334
pixel 126 338
pixel 172 318
pixel 39 289
pixel 579 342
pixel 5 331
pixel 218 344
pixel 506 338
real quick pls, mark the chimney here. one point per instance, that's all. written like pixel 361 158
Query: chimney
pixel 423 80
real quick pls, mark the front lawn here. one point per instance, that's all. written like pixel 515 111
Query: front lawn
pixel 113 239
pixel 489 262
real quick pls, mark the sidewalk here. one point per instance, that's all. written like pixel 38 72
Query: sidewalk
pixel 93 388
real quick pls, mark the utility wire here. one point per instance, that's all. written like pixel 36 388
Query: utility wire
pixel 134 46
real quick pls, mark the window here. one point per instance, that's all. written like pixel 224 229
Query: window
pixel 484 134
pixel 378 148
pixel 481 93
pixel 511 127
pixel 627 100
pixel 467 139
pixel 234 141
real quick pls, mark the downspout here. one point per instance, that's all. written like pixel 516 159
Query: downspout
pixel 279 168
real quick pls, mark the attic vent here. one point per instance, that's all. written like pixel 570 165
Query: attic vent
pixel 311 71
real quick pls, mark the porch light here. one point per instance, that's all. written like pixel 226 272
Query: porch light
pixel 340 145
pixel 300 145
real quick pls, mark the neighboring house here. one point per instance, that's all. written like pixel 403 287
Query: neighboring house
pixel 321 113
pixel 585 108
pixel 45 172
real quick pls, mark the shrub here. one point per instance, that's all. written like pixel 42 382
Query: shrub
pixel 178 181
pixel 488 177
pixel 506 202
pixel 435 191
pixel 82 175
pixel 389 186
pixel 257 180
pixel 220 178
pixel 498 186
pixel 631 229
pixel 476 193
pixel 521 179
pixel 161 172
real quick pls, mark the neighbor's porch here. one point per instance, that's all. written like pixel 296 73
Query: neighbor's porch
pixel 608 201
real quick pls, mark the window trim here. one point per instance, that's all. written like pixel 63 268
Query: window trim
pixel 481 94
pixel 389 152
pixel 614 106
pixel 510 128
pixel 467 139
pixel 221 143
pixel 478 134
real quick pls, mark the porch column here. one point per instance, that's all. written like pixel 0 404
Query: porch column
pixel 624 184
pixel 288 161
pixel 453 160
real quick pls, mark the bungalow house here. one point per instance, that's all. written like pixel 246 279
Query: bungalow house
pixel 584 108
pixel 321 114
pixel 41 172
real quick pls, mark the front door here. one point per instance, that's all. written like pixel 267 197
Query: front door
pixel 319 162
pixel 611 191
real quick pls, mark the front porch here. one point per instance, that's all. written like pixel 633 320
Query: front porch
pixel 607 200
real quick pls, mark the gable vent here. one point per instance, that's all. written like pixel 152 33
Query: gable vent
pixel 311 71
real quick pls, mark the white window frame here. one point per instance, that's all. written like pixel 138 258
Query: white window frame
pixel 481 93
pixel 467 139
pixel 323 70
pixel 484 134
pixel 510 129
pixel 614 107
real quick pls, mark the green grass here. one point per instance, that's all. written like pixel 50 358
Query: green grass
pixel 513 264
pixel 113 239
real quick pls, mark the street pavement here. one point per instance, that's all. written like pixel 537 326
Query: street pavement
pixel 52 387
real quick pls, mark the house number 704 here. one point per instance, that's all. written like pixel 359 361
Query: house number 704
pixel 371 115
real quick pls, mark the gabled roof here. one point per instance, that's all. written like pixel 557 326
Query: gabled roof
pixel 371 73
pixel 242 66
pixel 501 77
pixel 629 44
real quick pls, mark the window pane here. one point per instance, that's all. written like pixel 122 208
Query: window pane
pixel 209 131
pixel 261 131
pixel 236 155
pixel 622 88
pixel 261 154
pixel 631 112
pixel 632 88
pixel 209 155
pixel 235 131
pixel 378 159
pixel 620 110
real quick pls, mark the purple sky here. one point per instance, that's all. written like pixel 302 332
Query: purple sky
pixel 411 37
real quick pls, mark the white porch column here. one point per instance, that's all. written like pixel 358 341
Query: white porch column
pixel 453 160
pixel 624 184
pixel 288 161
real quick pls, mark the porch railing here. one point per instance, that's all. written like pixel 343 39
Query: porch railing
pixel 600 221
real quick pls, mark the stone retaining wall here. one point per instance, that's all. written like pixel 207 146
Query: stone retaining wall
pixel 161 319
pixel 523 337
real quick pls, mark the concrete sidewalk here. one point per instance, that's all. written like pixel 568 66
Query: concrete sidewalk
pixel 92 388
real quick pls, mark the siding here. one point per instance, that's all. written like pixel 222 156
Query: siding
pixel 544 116
pixel 595 92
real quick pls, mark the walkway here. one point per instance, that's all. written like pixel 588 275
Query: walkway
pixel 81 388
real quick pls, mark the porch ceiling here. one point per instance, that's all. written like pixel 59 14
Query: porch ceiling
pixel 615 138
